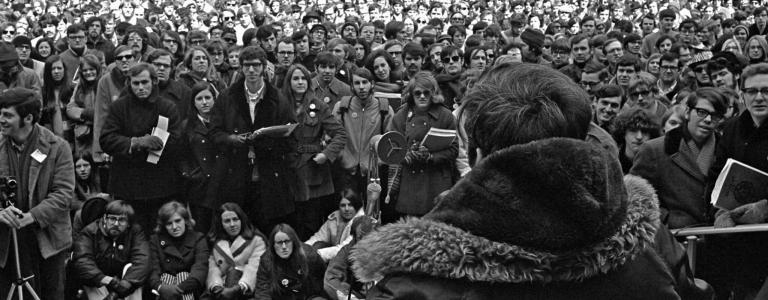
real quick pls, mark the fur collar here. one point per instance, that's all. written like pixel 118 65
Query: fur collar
pixel 437 249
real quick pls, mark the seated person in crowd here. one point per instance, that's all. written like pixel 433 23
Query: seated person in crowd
pixel 335 233
pixel 339 279
pixel 111 255
pixel 237 250
pixel 179 255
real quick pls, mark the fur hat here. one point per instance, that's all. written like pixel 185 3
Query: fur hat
pixel 533 38
pixel 21 41
pixel 555 194
pixel 667 13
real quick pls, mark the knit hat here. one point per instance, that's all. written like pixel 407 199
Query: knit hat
pixel 667 13
pixel 700 58
pixel 553 195
pixel 8 52
pixel 533 38
pixel 21 41
pixel 310 15
pixel 517 19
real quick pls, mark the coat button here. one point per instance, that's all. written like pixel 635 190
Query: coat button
pixel 168 260
pixel 203 158
pixel 202 142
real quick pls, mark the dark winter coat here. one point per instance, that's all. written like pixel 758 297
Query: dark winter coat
pixel 203 165
pixel 421 182
pixel 550 219
pixel 275 157
pixel 131 176
pixel 97 255
pixel 680 184
pixel 315 122
pixel 292 287
pixel 191 256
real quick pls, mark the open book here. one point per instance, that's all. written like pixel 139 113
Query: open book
pixel 739 184
pixel 438 139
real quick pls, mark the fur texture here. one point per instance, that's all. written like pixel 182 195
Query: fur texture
pixel 550 210
pixel 438 249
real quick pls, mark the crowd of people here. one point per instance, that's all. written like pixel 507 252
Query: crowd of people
pixel 222 149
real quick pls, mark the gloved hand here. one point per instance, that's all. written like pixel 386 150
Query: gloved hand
pixel 752 213
pixel 148 142
pixel 123 288
pixel 423 154
pixel 723 219
pixel 170 292
pixel 113 284
pixel 230 293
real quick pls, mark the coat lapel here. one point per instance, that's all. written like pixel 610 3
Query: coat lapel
pixel 237 92
pixel 44 147
pixel 685 162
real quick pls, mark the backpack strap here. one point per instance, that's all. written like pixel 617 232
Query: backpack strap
pixel 344 103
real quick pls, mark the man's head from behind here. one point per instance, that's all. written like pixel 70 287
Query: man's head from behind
pixel 117 218
pixel 516 103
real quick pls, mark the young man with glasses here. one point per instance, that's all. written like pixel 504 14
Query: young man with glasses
pixel 169 88
pixel 76 38
pixel 262 174
pixel 24 49
pixel 669 74
pixel 678 164
pixel 41 162
pixel 449 81
pixel 642 93
pixel 105 249
pixel 743 139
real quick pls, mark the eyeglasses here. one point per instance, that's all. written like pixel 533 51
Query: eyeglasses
pixel 285 53
pixel 447 60
pixel 124 57
pixel 169 41
pixel 228 18
pixel 9 32
pixel 71 37
pixel 752 92
pixel 590 84
pixel 230 40
pixel 283 243
pixel 637 94
pixel 135 40
pixel 419 94
pixel 479 57
pixel 395 53
pixel 116 220
pixel 668 68
pixel 252 65
pixel 161 65
pixel 457 19
pixel 196 42
pixel 218 53
pixel 703 113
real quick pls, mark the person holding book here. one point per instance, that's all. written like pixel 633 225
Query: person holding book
pixel 677 163
pixel 237 250
pixel 131 135
pixel 426 172
pixel 262 167
pixel 179 255
pixel 745 139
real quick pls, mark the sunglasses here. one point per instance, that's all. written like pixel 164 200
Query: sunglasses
pixel 640 93
pixel 252 65
pixel 419 94
pixel 231 41
pixel 447 60
pixel 124 57
pixel 9 32
pixel 228 18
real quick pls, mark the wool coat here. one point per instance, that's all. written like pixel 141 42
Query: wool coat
pixel 293 284
pixel 189 255
pixel 203 164
pixel 275 157
pixel 246 256
pixel 315 123
pixel 422 181
pixel 680 184
pixel 551 219
pixel 51 185
pixel 131 176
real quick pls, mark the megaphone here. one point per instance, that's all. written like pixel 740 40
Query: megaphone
pixel 389 147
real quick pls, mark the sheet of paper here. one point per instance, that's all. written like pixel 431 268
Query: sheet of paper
pixel 160 131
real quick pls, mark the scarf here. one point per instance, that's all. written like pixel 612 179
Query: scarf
pixel 705 155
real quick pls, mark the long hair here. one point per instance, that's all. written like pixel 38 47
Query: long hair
pixel 424 80
pixel 36 53
pixel 93 62
pixel 209 74
pixel 286 88
pixel 371 58
pixel 50 85
pixel 635 119
pixel 297 261
pixel 90 182
pixel 196 89
pixel 217 232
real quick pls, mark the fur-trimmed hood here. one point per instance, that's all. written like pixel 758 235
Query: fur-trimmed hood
pixel 440 247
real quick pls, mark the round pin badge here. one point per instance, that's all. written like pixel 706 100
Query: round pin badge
pixel 312 114
pixel 284 282
pixel 327 100
pixel 312 106
pixel 120 247
pixel 354 115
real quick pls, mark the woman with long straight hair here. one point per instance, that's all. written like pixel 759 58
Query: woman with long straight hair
pixel 316 121
pixel 56 88
pixel 290 269
pixel 80 106
pixel 236 255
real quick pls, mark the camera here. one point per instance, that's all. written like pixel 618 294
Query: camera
pixel 8 186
